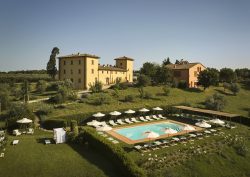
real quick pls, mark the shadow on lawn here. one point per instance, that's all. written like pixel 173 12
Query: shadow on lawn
pixel 97 159
pixel 223 92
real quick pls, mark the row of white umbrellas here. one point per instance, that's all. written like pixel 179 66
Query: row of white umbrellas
pixel 116 113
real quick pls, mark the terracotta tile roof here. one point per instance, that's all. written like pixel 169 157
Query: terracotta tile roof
pixel 111 68
pixel 79 55
pixel 181 66
pixel 124 58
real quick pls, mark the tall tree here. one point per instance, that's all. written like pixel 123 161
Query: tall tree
pixel 227 75
pixel 163 75
pixel 177 62
pixel 51 65
pixel 166 61
pixel 148 69
pixel 26 90
pixel 208 77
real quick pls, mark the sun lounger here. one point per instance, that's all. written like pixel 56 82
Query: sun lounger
pixel 119 121
pixel 128 121
pixel 142 119
pixel 15 142
pixel 138 147
pixel 47 142
pixel 134 120
pixel 30 131
pixel 16 132
pixel 148 118
pixel 155 117
pixel 111 122
pixel 2 155
pixel 115 141
pixel 161 116
pixel 110 138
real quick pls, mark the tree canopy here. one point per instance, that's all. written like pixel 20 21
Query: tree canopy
pixel 227 75
pixel 208 77
pixel 51 65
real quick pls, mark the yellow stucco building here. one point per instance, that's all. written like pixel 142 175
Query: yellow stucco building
pixel 84 69
pixel 187 72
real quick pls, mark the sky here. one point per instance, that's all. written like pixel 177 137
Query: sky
pixel 213 32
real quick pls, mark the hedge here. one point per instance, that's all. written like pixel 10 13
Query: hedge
pixel 53 123
pixel 116 153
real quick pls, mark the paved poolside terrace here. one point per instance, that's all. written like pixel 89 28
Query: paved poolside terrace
pixel 130 141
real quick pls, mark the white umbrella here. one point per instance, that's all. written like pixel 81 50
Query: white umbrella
pixel 151 134
pixel 94 123
pixel 24 121
pixel 129 111
pixel 188 128
pixel 143 110
pixel 105 128
pixel 170 131
pixel 157 109
pixel 203 124
pixel 98 114
pixel 115 113
pixel 217 121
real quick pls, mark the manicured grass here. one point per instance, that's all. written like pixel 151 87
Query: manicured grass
pixel 235 104
pixel 32 158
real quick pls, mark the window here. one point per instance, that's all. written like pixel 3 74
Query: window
pixel 120 64
pixel 79 80
pixel 71 62
pixel 71 71
pixel 195 74
pixel 80 62
pixel 72 80
pixel 64 62
pixel 102 72
pixel 79 71
pixel 107 72
pixel 92 61
pixel 96 79
pixel 64 71
pixel 92 71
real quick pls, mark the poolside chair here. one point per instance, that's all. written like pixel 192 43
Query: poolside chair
pixel 15 142
pixel 111 122
pixel 128 121
pixel 134 120
pixel 161 116
pixel 148 118
pixel 47 141
pixel 30 131
pixel 2 155
pixel 138 147
pixel 119 121
pixel 142 119
pixel 16 132
pixel 155 117
pixel 115 141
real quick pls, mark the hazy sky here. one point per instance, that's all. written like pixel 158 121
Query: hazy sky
pixel 215 33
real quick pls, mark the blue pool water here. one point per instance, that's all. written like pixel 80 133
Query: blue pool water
pixel 138 132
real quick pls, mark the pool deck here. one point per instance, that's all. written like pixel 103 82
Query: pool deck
pixel 130 141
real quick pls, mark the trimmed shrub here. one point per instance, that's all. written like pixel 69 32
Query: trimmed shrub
pixel 74 127
pixel 99 99
pixel 41 86
pixel 44 109
pixel 115 152
pixel 148 95
pixel 234 88
pixel 216 102
pixel 96 87
pixel 141 92
pixel 129 98
pixel 54 123
pixel 182 84
pixel 143 80
pixel 166 90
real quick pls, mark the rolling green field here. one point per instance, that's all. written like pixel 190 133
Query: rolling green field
pixel 235 104
pixel 32 158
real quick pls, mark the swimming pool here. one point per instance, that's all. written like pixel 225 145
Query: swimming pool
pixel 138 132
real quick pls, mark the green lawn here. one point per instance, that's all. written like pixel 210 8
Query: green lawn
pixel 32 158
pixel 235 104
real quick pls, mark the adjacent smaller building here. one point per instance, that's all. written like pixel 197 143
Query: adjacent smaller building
pixel 186 72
